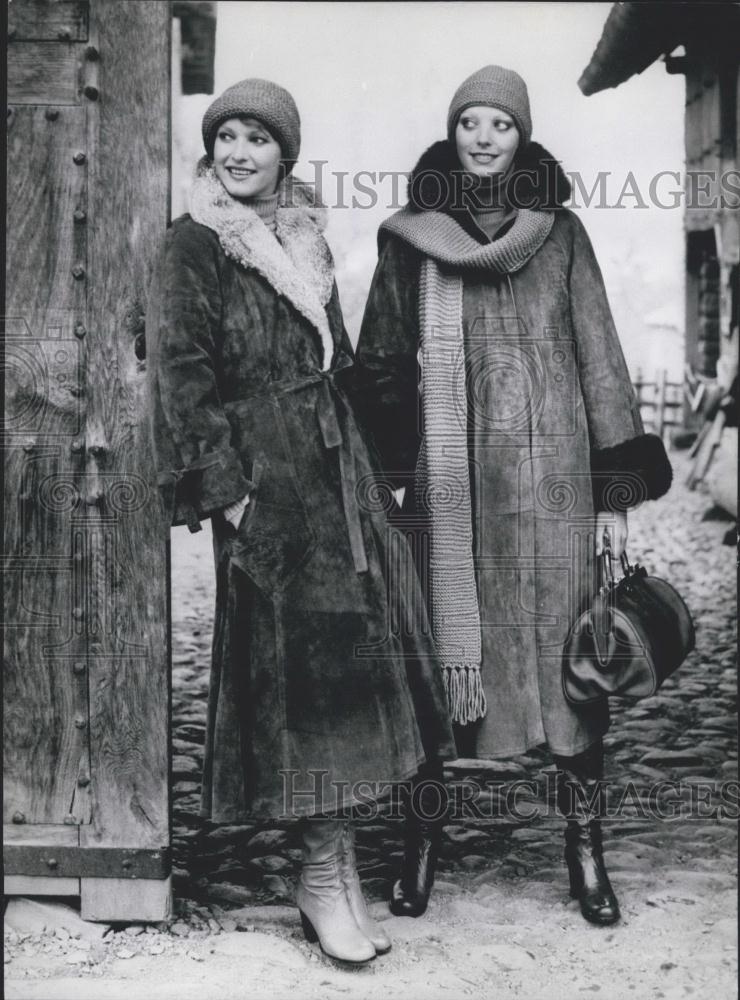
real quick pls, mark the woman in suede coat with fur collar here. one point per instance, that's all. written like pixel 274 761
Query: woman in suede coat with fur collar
pixel 318 683
pixel 490 375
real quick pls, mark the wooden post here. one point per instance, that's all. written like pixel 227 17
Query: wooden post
pixel 660 387
pixel 638 383
pixel 128 137
pixel 86 667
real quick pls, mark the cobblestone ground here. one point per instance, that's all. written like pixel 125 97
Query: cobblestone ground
pixel 686 733
pixel 501 908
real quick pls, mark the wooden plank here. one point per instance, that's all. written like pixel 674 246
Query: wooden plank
pixel 46 750
pixel 40 885
pixel 39 20
pixel 42 73
pixel 45 688
pixel 128 142
pixel 44 188
pixel 43 834
pixel 659 418
pixel 108 899
pixel 197 22
pixel 73 861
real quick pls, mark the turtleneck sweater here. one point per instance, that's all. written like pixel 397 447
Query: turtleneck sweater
pixel 488 205
pixel 490 220
pixel 265 209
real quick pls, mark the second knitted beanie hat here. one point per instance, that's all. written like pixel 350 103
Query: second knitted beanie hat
pixel 496 87
pixel 255 98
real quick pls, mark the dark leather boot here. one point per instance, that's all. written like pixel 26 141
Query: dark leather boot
pixel 422 836
pixel 581 800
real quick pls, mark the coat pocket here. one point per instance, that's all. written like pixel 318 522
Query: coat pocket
pixel 273 540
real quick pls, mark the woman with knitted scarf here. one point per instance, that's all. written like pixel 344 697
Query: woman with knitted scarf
pixel 493 383
pixel 318 695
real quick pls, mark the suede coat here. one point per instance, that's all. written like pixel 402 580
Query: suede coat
pixel 554 430
pixel 318 680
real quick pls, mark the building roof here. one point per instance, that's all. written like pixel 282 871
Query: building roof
pixel 634 36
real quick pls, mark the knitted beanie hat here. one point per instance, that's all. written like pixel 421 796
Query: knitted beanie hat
pixel 496 87
pixel 261 99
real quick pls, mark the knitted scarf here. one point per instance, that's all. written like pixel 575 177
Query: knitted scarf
pixel 296 259
pixel 442 473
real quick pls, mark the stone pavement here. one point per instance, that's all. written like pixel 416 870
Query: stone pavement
pixel 686 733
pixel 501 914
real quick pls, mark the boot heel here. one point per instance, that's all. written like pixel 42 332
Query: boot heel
pixel 311 936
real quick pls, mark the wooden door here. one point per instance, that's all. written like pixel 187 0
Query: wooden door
pixel 86 667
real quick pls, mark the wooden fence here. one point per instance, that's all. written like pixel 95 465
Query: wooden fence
pixel 661 402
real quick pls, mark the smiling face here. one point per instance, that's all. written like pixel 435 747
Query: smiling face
pixel 246 158
pixel 486 140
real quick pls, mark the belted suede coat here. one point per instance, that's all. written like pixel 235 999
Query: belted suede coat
pixel 319 680
pixel 554 432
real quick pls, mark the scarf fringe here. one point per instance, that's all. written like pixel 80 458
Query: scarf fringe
pixel 465 695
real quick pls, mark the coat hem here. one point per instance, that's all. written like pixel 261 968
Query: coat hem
pixel 503 754
pixel 265 811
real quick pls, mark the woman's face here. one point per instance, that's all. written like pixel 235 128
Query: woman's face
pixel 486 140
pixel 246 158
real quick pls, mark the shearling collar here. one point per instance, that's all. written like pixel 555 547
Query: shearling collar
pixel 298 263
pixel 536 182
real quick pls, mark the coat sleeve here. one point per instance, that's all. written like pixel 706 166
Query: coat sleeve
pixel 198 470
pixel 627 465
pixel 386 394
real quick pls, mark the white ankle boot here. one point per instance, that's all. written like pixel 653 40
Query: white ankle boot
pixel 322 898
pixel 358 906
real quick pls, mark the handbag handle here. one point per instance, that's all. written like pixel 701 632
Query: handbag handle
pixel 606 570
pixel 627 568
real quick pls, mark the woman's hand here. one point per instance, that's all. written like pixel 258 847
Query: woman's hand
pixel 616 525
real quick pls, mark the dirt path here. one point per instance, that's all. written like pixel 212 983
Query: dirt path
pixel 676 939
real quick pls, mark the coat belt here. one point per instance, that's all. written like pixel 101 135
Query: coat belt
pixel 332 436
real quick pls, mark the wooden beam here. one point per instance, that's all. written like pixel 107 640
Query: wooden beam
pixel 198 44
pixel 42 73
pixel 107 899
pixel 37 885
pixel 124 553
pixel 43 834
pixel 47 20
pixel 45 694
pixel 73 861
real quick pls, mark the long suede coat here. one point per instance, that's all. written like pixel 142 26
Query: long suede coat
pixel 554 429
pixel 319 680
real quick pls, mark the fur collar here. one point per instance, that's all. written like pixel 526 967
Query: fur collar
pixel 298 264
pixel 536 182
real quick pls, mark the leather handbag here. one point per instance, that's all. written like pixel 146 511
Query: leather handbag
pixel 636 633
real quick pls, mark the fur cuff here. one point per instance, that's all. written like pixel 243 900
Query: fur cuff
pixel 628 473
